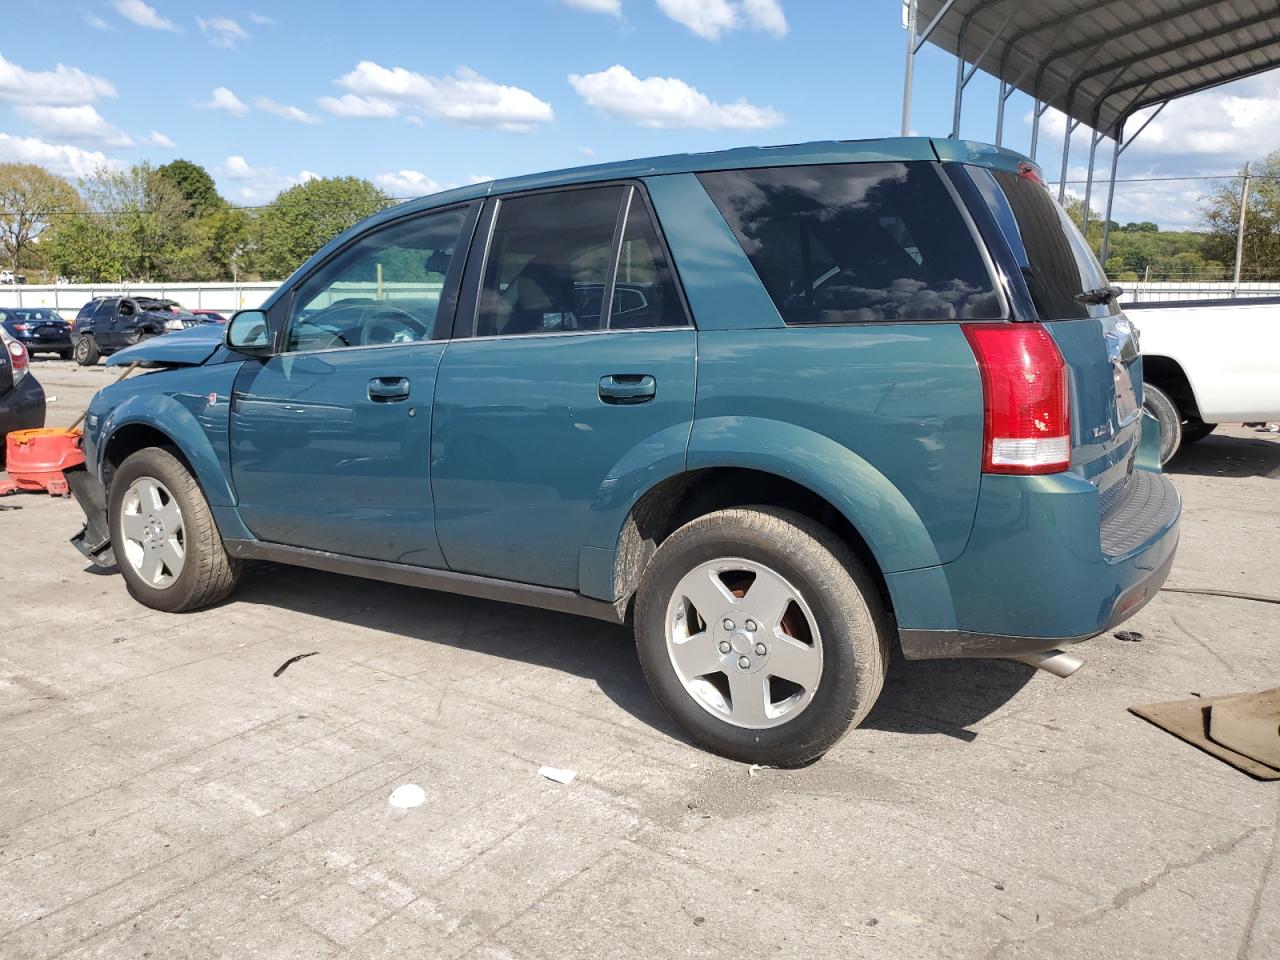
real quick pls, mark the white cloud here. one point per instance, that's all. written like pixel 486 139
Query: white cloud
pixel 710 18
pixel 587 151
pixel 261 19
pixel 596 6
pixel 224 99
pixel 413 121
pixel 667 102
pixel 288 111
pixel 465 97
pixel 157 139
pixel 259 184
pixel 59 158
pixel 474 178
pixel 93 20
pixel 222 31
pixel 349 105
pixel 407 183
pixel 62 85
pixel 81 124
pixel 143 15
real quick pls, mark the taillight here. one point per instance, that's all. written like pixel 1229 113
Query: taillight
pixel 1029 171
pixel 18 353
pixel 1026 422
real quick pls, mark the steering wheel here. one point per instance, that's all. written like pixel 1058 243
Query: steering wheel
pixel 394 320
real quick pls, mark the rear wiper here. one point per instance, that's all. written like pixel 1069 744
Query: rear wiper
pixel 1098 295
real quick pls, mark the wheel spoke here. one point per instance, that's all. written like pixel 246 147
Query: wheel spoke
pixel 768 597
pixel 171 516
pixel 749 698
pixel 708 595
pixel 173 556
pixel 149 494
pixel 795 661
pixel 149 567
pixel 697 656
pixel 133 525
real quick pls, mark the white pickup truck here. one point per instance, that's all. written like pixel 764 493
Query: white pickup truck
pixel 1206 362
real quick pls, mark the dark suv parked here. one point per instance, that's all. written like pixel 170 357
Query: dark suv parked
pixel 779 409
pixel 108 324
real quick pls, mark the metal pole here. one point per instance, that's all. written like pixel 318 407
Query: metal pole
pixel 910 68
pixel 1121 146
pixel 1066 152
pixel 1036 113
pixel 958 96
pixel 1244 206
pixel 1095 138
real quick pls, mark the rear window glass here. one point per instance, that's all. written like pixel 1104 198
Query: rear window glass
pixel 1055 259
pixel 857 243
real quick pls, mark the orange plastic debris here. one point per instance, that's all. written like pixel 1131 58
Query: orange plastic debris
pixel 36 459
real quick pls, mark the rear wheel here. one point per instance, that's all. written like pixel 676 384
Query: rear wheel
pixel 163 535
pixel 1166 412
pixel 65 354
pixel 761 634
pixel 86 351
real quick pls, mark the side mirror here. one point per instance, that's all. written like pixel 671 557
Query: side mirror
pixel 248 332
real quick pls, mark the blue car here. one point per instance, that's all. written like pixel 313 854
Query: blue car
pixel 778 409
pixel 39 329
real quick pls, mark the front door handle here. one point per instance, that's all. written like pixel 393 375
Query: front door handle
pixel 388 389
pixel 628 388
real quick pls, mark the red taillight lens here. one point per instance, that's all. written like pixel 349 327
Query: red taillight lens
pixel 1027 423
pixel 1029 171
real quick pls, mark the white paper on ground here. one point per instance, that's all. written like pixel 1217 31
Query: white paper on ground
pixel 408 795
pixel 558 775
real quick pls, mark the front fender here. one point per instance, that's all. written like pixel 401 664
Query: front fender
pixel 191 408
pixel 891 527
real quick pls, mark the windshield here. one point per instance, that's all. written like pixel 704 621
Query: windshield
pixel 1055 259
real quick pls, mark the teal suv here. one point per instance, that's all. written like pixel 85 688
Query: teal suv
pixel 779 408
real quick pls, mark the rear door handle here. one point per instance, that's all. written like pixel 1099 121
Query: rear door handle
pixel 388 389
pixel 628 388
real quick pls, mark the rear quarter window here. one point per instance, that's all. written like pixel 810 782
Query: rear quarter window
pixel 857 243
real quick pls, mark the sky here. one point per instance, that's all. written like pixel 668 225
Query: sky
pixel 418 95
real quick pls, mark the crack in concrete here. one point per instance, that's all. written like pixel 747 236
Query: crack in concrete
pixel 1256 907
pixel 1126 894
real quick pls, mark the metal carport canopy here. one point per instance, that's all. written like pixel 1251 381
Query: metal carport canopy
pixel 1099 61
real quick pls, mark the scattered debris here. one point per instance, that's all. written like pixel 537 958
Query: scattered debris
pixel 407 796
pixel 9 506
pixel 872 922
pixel 1129 636
pixel 1242 730
pixel 292 660
pixel 557 774
pixel 699 921
pixel 751 770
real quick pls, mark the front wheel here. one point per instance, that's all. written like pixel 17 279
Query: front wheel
pixel 761 634
pixel 85 351
pixel 164 537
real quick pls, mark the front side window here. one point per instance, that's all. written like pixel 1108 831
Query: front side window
pixel 383 289
pixel 857 243
pixel 106 310
pixel 548 262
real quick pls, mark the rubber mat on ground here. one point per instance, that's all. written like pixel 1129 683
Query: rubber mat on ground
pixel 1242 729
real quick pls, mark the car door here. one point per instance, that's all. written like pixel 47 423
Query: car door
pixel 100 325
pixel 330 437
pixel 555 400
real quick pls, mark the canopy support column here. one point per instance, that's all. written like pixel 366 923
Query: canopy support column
pixel 914 43
pixel 1120 147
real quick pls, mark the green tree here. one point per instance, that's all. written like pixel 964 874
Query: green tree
pixel 193 182
pixel 304 218
pixel 1220 213
pixel 135 226
pixel 31 200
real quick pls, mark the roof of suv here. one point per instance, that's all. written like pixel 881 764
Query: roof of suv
pixel 739 158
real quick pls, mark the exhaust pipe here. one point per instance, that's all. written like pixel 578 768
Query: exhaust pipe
pixel 1052 661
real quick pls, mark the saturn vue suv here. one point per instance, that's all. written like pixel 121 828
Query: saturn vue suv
pixel 778 409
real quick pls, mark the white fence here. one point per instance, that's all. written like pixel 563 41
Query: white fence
pixel 227 298
pixel 67 299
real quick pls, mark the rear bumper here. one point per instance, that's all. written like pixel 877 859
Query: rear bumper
pixel 46 344
pixel 1040 569
pixel 94 540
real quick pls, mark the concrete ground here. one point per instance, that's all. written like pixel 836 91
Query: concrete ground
pixel 163 795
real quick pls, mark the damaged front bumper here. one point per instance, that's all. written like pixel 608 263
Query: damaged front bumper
pixel 94 541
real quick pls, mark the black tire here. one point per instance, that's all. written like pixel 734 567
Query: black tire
pixel 85 350
pixel 1166 412
pixel 208 574
pixel 66 354
pixel 852 624
pixel 1194 431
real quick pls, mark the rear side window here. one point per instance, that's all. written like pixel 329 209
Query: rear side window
pixel 857 243
pixel 1056 262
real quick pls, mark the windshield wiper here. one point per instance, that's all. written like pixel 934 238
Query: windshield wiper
pixel 1098 295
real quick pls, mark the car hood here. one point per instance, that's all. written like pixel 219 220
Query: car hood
pixel 182 348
